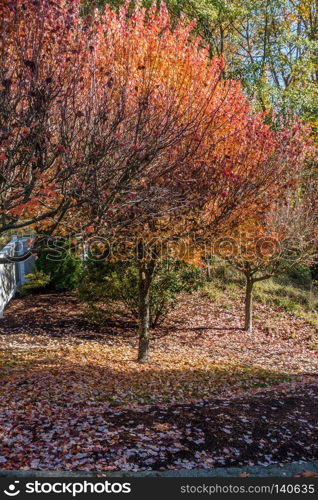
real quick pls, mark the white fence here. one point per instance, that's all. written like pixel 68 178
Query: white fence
pixel 12 275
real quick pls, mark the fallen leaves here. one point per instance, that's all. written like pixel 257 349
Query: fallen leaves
pixel 109 374
pixel 73 397
pixel 70 436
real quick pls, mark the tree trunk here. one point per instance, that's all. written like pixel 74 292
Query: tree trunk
pixel 146 274
pixel 311 295
pixel 208 269
pixel 249 305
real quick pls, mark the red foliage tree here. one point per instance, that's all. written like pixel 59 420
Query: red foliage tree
pixel 44 58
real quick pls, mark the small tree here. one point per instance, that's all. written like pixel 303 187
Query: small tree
pixel 107 287
pixel 285 238
pixel 241 189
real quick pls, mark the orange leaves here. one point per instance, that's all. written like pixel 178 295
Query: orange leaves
pixel 17 211
pixel 24 208
pixel 89 229
pixel 127 103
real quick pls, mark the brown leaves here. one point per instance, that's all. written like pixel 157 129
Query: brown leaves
pixel 73 398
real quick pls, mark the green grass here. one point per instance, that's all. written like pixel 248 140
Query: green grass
pixel 294 298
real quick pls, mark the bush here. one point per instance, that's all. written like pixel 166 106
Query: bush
pixel 36 283
pixel 300 275
pixel 64 272
pixel 52 273
pixel 108 286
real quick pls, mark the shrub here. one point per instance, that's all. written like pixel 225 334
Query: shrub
pixel 36 283
pixel 64 272
pixel 57 271
pixel 300 275
pixel 314 272
pixel 108 286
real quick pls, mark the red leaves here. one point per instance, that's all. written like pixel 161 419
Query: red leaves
pixel 191 133
pixel 17 211
pixel 62 148
pixel 30 207
pixel 228 172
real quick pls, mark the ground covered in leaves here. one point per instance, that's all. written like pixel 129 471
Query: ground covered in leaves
pixel 72 396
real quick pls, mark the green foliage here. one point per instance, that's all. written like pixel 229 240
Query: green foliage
pixel 64 269
pixel 300 275
pixel 59 270
pixel 108 286
pixel 172 278
pixel 214 292
pixel 36 283
pixel 290 296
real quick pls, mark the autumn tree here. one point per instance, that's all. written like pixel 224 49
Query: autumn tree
pixel 186 138
pixel 270 46
pixel 262 184
pixel 44 56
pixel 89 120
pixel 125 127
pixel 207 169
pixel 282 232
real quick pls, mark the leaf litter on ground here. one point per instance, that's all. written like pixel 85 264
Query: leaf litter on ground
pixel 73 397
